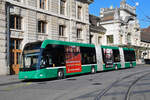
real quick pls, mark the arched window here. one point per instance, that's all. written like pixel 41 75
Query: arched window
pixel 121 39
pixel 128 38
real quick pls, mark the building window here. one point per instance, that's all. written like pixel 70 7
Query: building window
pixel 121 39
pixel 43 4
pixel 41 26
pixel 15 22
pixel 136 41
pixel 17 0
pixel 99 39
pixel 62 30
pixel 129 38
pixel 110 39
pixel 62 7
pixel 79 31
pixel 79 12
pixel 15 43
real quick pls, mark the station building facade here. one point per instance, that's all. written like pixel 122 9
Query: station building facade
pixel 122 26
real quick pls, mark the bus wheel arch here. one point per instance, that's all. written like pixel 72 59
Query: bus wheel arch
pixel 60 74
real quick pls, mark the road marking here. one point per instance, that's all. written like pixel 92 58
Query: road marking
pixel 9 88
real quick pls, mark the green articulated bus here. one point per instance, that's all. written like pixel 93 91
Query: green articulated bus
pixel 52 58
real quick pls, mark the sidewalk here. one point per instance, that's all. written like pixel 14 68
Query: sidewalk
pixel 6 79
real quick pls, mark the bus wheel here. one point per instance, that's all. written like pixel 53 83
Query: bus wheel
pixel 93 70
pixel 116 67
pixel 60 74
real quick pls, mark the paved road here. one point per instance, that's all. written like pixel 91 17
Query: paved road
pixel 111 85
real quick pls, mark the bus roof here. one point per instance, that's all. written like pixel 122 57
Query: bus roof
pixel 128 49
pixel 113 47
pixel 33 45
pixel 109 47
pixel 46 42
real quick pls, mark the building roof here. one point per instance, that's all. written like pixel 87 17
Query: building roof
pixel 109 14
pixel 94 24
pixel 86 1
pixel 145 34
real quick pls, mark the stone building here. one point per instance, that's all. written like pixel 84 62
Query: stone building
pixel 122 25
pixel 96 30
pixel 3 61
pixel 145 43
pixel 32 20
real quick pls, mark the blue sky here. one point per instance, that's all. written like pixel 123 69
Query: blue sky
pixel 142 11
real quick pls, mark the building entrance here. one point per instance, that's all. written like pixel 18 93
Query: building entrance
pixel 15 53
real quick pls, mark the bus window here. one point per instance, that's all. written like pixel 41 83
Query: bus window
pixel 126 55
pixel 53 56
pixel 116 55
pixel 45 61
pixel 88 55
pixel 132 54
pixel 129 55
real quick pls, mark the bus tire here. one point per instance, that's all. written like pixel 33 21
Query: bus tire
pixel 93 71
pixel 60 74
pixel 116 67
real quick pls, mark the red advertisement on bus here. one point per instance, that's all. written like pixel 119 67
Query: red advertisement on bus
pixel 73 59
pixel 108 54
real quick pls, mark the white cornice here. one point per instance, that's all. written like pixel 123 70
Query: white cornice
pixel 111 22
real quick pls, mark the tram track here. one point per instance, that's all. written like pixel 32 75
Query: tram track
pixel 130 87
pixel 127 96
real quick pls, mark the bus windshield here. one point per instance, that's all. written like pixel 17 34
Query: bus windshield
pixel 31 60
pixel 31 54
